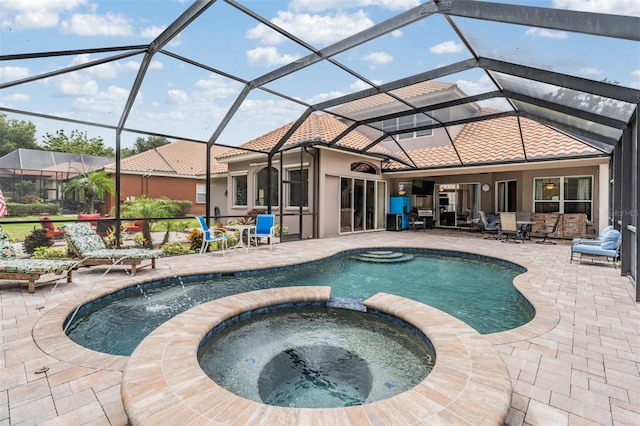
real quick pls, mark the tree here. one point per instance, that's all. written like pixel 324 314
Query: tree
pixel 90 185
pixel 148 209
pixel 77 143
pixel 142 144
pixel 16 134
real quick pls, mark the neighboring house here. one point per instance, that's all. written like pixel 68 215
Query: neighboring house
pixel 177 171
pixel 503 164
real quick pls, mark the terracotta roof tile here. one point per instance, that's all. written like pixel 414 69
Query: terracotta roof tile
pixel 183 158
pixel 318 128
pixel 382 99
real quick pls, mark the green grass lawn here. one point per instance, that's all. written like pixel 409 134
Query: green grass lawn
pixel 18 231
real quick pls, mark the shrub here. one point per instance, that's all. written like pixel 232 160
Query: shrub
pixel 184 207
pixel 195 239
pixel 280 232
pixel 175 248
pixel 139 240
pixel 39 237
pixel 49 253
pixel 33 209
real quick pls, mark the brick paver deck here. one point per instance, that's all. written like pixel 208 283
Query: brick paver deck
pixel 577 363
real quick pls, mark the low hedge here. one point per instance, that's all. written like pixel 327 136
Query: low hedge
pixel 33 209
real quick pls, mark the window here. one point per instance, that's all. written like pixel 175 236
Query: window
pixel 506 191
pixel 298 187
pixel 201 193
pixel 262 186
pixel 572 194
pixel 239 183
pixel 408 122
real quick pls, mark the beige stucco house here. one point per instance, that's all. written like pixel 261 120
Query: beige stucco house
pixel 323 187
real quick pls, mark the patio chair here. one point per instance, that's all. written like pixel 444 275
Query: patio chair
pixel 547 230
pixel 608 248
pixel 491 230
pixel 46 223
pixel 91 248
pixel 414 220
pixel 509 228
pixel 211 235
pixel 596 240
pixel 31 270
pixel 265 228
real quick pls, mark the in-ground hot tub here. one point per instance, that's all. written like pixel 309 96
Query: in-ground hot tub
pixel 163 380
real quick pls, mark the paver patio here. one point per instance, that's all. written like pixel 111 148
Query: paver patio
pixel 582 368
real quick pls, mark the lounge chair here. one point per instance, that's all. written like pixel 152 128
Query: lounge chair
pixel 596 240
pixel 547 230
pixel 509 228
pixel 608 248
pixel 91 248
pixel 211 235
pixel 491 230
pixel 31 270
pixel 265 228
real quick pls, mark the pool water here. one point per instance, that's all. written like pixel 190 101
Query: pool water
pixel 316 358
pixel 478 292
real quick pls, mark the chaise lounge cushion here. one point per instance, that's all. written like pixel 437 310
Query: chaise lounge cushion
pixel 6 249
pixel 610 240
pixel 90 245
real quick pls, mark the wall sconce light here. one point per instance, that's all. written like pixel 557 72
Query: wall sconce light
pixel 550 185
pixel 225 193
pixel 401 190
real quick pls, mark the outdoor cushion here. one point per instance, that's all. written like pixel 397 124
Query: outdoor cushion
pixel 7 250
pixel 610 240
pixel 594 250
pixel 40 266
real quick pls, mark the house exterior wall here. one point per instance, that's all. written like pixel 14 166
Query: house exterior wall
pixel 172 187
pixel 333 166
pixel 290 214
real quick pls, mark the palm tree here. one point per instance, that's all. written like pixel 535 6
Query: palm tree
pixel 90 185
pixel 147 208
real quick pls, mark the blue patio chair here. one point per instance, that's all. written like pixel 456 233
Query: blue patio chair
pixel 210 235
pixel 609 248
pixel 596 240
pixel 265 228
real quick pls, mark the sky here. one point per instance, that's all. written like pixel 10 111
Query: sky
pixel 185 101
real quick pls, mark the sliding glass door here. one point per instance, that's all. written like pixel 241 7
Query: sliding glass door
pixel 362 205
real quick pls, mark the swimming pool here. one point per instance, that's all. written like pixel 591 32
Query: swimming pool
pixel 476 289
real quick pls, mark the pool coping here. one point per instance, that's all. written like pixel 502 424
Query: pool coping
pixel 163 381
pixel 48 332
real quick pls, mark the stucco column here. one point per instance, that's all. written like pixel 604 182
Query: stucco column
pixel 603 196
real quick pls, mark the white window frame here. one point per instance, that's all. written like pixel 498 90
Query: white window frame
pixel 561 197
pixel 288 170
pixel 234 176
pixel 201 193
pixel 394 124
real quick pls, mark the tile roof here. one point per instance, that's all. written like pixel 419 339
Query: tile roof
pixel 182 158
pixel 497 141
pixel 408 92
pixel 317 128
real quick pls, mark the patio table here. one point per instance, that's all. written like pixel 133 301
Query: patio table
pixel 243 229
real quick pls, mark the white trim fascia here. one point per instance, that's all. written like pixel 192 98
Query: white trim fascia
pixel 158 174
pixel 357 154
pixel 496 168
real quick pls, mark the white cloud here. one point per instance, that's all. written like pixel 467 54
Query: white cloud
pixel 378 58
pixel 110 24
pixel 106 70
pixel 16 97
pixel 111 101
pixel 10 73
pixel 446 47
pixel 359 85
pixel 616 7
pixel 590 71
pixel 318 6
pixel 74 84
pixel 396 33
pixel 152 32
pixel 268 56
pixel 321 97
pixel 316 29
pixel 156 65
pixel 217 87
pixel 30 14
pixel 177 97
pixel 484 84
pixel 543 32
pixel 635 73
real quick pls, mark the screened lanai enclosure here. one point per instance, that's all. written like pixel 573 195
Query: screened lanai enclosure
pixel 225 72
pixel 45 172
